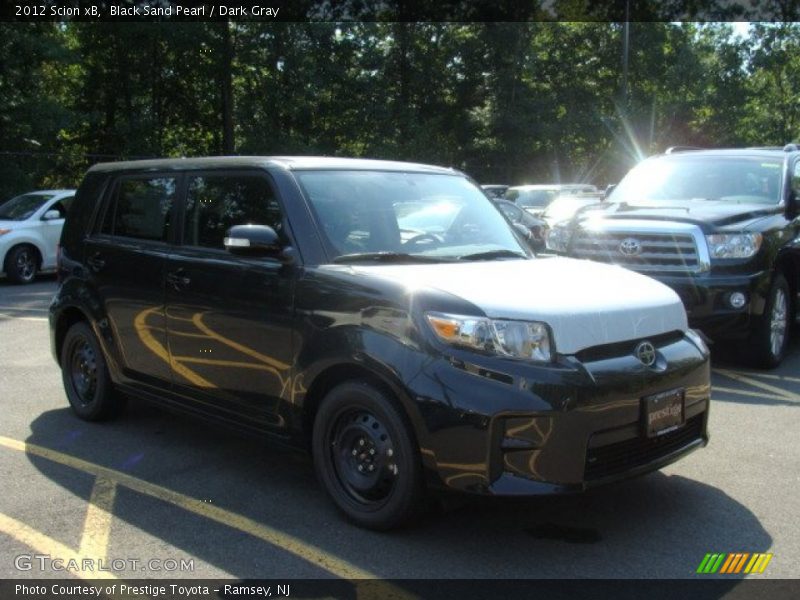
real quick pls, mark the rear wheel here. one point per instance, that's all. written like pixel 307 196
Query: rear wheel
pixel 85 376
pixel 769 340
pixel 22 264
pixel 366 458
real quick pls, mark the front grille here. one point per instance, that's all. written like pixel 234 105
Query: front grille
pixel 656 251
pixel 617 458
pixel 626 348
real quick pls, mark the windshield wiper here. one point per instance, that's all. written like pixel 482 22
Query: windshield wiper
pixel 492 254
pixel 388 257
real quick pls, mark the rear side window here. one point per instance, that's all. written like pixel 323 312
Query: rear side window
pixel 141 209
pixel 215 203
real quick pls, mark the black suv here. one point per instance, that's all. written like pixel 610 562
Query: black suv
pixel 720 227
pixel 385 315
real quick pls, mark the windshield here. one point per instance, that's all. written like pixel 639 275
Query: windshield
pixel 440 217
pixel 733 180
pixel 22 207
pixel 531 198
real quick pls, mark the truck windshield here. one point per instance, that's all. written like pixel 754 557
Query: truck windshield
pixel 441 217
pixel 733 180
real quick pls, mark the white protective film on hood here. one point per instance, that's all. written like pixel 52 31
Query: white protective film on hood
pixel 584 303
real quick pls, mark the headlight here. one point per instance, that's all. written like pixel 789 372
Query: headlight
pixel 733 245
pixel 519 339
pixel 4 231
pixel 557 238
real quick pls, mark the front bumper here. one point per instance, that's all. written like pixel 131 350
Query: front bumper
pixel 509 428
pixel 705 298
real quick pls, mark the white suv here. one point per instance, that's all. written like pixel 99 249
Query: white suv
pixel 30 227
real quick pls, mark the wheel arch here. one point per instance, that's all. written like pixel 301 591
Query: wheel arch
pixel 336 374
pixel 788 264
pixel 24 242
pixel 66 318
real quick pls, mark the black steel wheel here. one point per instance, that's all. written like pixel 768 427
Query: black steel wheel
pixel 366 458
pixel 22 264
pixel 770 338
pixel 85 376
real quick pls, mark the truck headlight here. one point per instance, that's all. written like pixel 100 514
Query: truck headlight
pixel 557 238
pixel 518 339
pixel 733 245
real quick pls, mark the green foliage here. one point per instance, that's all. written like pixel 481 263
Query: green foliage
pixel 508 102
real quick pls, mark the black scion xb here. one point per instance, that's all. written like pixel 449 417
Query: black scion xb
pixel 385 315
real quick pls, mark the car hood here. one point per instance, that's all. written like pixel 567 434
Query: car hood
pixel 584 303
pixel 7 224
pixel 699 212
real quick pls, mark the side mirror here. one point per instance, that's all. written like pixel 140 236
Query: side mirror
pixel 523 231
pixel 51 215
pixel 252 240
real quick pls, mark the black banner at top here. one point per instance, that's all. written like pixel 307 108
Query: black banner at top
pixel 401 10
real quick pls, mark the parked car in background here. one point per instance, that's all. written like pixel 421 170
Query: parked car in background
pixel 383 315
pixel 720 227
pixel 30 227
pixel 534 227
pixel 494 190
pixel 536 198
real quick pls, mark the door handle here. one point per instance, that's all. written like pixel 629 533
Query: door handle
pixel 178 279
pixel 96 262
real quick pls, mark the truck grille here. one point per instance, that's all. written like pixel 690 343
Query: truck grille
pixel 615 459
pixel 650 251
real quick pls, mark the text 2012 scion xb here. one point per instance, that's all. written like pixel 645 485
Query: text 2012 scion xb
pixel 384 315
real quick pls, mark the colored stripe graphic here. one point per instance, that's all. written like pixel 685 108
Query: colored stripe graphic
pixel 734 562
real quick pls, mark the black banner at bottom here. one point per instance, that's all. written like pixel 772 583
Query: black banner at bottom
pixel 405 589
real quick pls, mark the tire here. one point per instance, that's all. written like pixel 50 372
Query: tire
pixel 366 458
pixel 22 264
pixel 769 339
pixel 85 375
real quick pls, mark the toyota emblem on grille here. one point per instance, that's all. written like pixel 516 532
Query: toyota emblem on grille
pixel 630 247
pixel 646 353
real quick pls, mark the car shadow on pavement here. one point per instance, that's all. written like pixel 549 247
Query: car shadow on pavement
pixel 659 526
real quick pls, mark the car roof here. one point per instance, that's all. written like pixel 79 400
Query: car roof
pixel 731 152
pixel 549 186
pixel 47 193
pixel 291 163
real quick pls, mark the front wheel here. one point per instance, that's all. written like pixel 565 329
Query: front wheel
pixel 85 375
pixel 769 340
pixel 366 458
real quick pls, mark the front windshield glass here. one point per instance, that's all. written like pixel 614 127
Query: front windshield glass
pixel 732 180
pixel 22 207
pixel 418 214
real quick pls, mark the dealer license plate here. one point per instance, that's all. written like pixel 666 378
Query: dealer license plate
pixel 663 412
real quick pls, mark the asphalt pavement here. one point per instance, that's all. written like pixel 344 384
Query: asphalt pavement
pixel 168 496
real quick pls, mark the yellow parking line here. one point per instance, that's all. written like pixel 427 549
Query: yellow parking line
pixel 770 376
pixel 308 552
pixel 97 526
pixel 44 544
pixel 787 395
pixel 16 318
pixel 727 390
pixel 23 309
